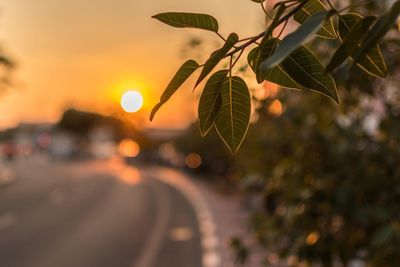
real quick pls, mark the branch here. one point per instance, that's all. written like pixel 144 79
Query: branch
pixel 262 34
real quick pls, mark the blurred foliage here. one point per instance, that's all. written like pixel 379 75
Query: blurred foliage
pixel 7 66
pixel 81 123
pixel 331 189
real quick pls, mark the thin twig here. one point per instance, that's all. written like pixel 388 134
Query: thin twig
pixel 230 66
pixel 283 28
pixel 237 59
pixel 220 36
pixel 262 34
pixel 265 10
pixel 330 4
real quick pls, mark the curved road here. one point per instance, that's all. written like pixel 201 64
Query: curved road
pixel 94 214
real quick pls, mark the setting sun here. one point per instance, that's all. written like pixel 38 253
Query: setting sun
pixel 132 101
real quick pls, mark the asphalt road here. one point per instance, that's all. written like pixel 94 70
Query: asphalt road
pixel 94 214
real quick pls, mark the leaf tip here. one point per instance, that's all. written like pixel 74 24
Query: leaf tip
pixel 155 16
pixel 203 133
pixel 154 111
pixel 336 99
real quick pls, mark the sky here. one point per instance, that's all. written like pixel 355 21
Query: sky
pixel 86 53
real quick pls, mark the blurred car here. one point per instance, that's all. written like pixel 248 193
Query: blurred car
pixel 8 150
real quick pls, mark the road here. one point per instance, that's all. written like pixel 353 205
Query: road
pixel 94 214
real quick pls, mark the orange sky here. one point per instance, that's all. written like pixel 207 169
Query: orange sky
pixel 85 53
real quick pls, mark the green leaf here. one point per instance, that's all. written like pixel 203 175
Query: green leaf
pixel 350 43
pixel 217 56
pixel 312 7
pixel 301 70
pixel 188 20
pixel 180 77
pixel 292 41
pixel 276 74
pixel 259 54
pixel 210 101
pixel 378 31
pixel 155 110
pixel 232 120
pixel 305 68
pixel 373 63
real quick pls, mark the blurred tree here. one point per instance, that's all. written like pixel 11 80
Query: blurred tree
pixel 7 65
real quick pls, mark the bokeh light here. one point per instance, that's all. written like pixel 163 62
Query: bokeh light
pixel 129 148
pixel 193 160
pixel 276 108
pixel 312 238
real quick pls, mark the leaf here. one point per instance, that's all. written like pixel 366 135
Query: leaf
pixel 304 67
pixel 155 110
pixel 210 101
pixel 232 120
pixel 312 7
pixel 217 56
pixel 188 20
pixel 373 63
pixel 7 62
pixel 276 74
pixel 350 43
pixel 301 71
pixel 180 77
pixel 259 54
pixel 292 41
pixel 378 31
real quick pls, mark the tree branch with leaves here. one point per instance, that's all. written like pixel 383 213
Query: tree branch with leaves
pixel 225 103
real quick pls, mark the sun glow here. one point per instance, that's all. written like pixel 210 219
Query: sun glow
pixel 132 101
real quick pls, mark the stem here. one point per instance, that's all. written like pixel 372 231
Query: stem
pixel 230 67
pixel 243 46
pixel 245 39
pixel 330 4
pixel 262 34
pixel 283 28
pixel 266 11
pixel 237 59
pixel 220 36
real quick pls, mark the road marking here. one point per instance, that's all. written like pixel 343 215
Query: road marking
pixel 155 240
pixel 209 240
pixel 181 234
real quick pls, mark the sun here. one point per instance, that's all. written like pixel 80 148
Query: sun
pixel 132 101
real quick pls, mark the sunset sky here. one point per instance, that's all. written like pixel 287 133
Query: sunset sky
pixel 86 53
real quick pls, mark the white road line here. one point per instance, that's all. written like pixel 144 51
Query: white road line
pixel 155 240
pixel 209 239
